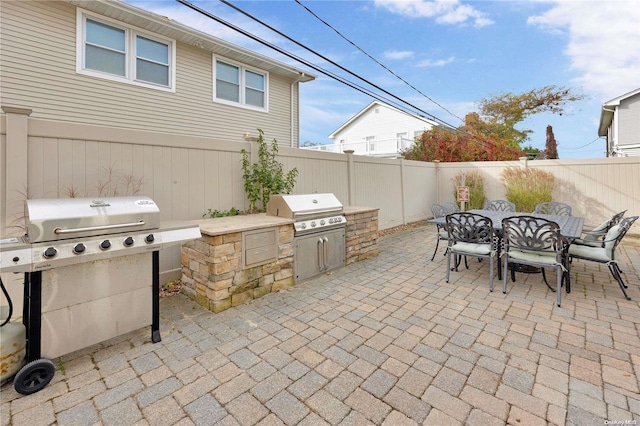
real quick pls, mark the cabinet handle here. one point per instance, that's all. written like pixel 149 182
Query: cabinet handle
pixel 326 252
pixel 320 255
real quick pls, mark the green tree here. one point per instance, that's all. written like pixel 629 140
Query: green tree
pixel 502 112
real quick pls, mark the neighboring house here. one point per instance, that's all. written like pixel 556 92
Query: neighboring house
pixel 112 64
pixel 378 130
pixel 620 124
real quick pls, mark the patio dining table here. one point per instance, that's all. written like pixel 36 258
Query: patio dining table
pixel 570 226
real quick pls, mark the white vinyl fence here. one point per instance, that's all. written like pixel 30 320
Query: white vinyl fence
pixel 187 175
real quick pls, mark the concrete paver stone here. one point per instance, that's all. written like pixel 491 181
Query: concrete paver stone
pixel 384 341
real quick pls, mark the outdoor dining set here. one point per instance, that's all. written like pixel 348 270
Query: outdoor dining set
pixel 550 237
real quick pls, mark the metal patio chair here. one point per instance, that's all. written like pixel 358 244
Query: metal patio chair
pixel 470 234
pixel 438 210
pixel 499 206
pixel 451 206
pixel 537 242
pixel 606 254
pixel 554 208
pixel 595 237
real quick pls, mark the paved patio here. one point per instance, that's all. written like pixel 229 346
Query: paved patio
pixel 383 341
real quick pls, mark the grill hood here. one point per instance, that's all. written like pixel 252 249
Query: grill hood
pixel 303 206
pixel 66 218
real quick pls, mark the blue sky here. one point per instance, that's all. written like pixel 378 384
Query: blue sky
pixel 455 52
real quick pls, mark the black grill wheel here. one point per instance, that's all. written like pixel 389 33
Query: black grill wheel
pixel 34 376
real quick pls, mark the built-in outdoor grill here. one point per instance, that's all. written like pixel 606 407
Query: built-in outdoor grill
pixel 91 269
pixel 319 231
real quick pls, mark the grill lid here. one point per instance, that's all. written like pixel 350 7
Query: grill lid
pixel 65 218
pixel 304 205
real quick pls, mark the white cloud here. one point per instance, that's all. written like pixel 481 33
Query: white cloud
pixel 435 63
pixel 603 43
pixel 442 11
pixel 398 54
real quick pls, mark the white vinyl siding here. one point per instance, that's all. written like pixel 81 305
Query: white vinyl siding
pixel 234 84
pixel 39 73
pixel 111 50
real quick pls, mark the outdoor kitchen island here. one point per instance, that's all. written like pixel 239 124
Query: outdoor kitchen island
pixel 240 258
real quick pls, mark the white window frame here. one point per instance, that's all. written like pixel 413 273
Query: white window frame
pixel 130 55
pixel 242 68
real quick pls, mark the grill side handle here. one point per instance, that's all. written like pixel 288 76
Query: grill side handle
pixel 98 228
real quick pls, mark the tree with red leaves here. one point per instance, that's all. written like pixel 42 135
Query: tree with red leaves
pixel 551 147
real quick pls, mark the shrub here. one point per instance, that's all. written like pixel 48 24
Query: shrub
pixel 527 187
pixel 266 177
pixel 221 213
pixel 475 182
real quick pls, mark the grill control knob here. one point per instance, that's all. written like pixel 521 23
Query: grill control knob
pixel 79 248
pixel 303 226
pixel 313 224
pixel 322 222
pixel 128 242
pixel 50 252
pixel 16 259
pixel 149 239
pixel 105 245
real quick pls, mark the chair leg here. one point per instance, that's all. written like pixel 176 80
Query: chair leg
pixel 490 273
pixel 448 264
pixel 559 273
pixel 616 274
pixel 544 277
pixel 505 275
pixel 436 250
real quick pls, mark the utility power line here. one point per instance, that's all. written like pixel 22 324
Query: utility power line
pixel 280 33
pixel 375 60
pixel 323 71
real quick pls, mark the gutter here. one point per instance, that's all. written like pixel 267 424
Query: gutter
pixel 293 114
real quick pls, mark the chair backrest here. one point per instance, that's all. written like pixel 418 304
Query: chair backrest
pixel 532 233
pixel 451 206
pixel 615 235
pixel 499 206
pixel 617 217
pixel 470 228
pixel 599 231
pixel 438 210
pixel 554 208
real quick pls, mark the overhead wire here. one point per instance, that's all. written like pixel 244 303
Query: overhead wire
pixel 280 33
pixel 324 71
pixel 301 60
pixel 375 60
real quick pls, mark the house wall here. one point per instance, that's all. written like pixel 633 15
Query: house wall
pixel 38 42
pixel 629 122
pixel 381 122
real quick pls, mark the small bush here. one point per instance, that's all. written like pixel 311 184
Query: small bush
pixel 221 213
pixel 527 187
pixel 266 177
pixel 475 182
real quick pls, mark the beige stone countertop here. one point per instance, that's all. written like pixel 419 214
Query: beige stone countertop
pixel 240 223
pixel 248 222
pixel 356 209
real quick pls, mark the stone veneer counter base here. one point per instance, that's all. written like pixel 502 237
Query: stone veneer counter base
pixel 240 258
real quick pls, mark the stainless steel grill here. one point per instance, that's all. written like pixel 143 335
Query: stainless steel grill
pixel 311 212
pixel 91 269
pixel 319 231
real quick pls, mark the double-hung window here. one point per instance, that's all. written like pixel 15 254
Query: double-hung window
pixel 114 51
pixel 235 84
